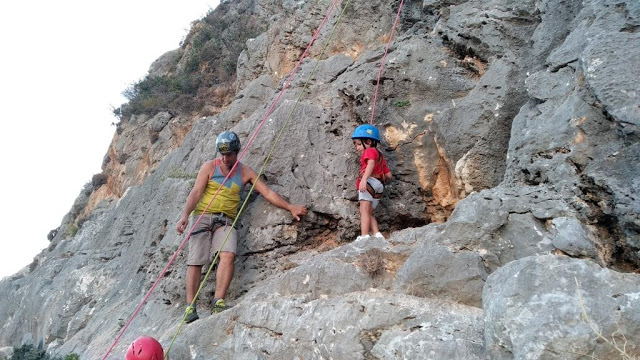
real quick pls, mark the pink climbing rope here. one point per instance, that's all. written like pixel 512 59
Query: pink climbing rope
pixel 375 96
pixel 240 156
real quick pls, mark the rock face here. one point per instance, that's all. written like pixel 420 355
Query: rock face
pixel 511 128
pixel 547 307
pixel 355 326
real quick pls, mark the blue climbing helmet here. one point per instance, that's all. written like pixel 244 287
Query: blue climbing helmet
pixel 228 141
pixel 366 131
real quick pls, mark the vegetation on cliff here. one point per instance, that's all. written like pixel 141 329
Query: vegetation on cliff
pixel 207 61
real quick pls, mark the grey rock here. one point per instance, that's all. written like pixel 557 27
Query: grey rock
pixel 435 271
pixel 557 20
pixel 252 61
pixel 618 92
pixel 572 237
pixel 338 271
pixel 570 138
pixel 159 121
pixel 545 85
pixel 507 139
pixel 475 128
pixel 492 28
pixel 617 182
pixel 6 352
pixel 166 64
pixel 535 309
pixel 361 325
pixel 504 224
pixel 569 52
pixel 486 231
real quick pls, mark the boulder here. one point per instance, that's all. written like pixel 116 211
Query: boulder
pixel 360 325
pixel 572 237
pixel 442 273
pixel 556 307
pixel 6 352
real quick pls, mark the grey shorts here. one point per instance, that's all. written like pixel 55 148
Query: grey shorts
pixel 378 189
pixel 208 236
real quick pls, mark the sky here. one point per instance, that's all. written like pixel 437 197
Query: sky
pixel 63 68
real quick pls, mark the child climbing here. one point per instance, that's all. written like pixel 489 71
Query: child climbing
pixel 373 173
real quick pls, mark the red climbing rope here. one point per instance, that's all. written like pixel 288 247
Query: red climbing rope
pixel 240 156
pixel 375 96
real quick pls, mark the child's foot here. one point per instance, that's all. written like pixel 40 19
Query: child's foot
pixel 379 235
pixel 363 237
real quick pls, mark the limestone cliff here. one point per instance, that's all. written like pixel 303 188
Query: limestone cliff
pixel 511 128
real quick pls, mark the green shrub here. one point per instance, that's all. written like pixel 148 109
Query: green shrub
pixel 211 52
pixel 72 230
pixel 402 103
pixel 28 352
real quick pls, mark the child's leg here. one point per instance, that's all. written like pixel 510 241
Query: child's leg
pixel 374 222
pixel 365 216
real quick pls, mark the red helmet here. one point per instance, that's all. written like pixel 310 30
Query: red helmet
pixel 145 348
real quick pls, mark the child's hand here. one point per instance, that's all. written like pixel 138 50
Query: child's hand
pixel 363 185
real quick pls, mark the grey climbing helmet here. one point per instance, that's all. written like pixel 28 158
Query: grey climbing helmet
pixel 227 142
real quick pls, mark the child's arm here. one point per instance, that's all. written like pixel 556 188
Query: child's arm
pixel 387 176
pixel 367 172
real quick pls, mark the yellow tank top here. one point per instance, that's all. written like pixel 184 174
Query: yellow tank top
pixel 228 198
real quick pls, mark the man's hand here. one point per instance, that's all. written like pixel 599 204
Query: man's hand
pixel 182 225
pixel 297 211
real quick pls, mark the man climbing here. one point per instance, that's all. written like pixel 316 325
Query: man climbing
pixel 209 234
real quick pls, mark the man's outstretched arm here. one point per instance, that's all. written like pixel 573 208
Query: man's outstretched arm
pixel 296 210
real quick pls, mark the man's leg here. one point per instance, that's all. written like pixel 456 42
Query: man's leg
pixel 193 281
pixel 199 252
pixel 227 249
pixel 365 217
pixel 224 274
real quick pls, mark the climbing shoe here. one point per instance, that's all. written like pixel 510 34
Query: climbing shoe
pixel 363 237
pixel 191 314
pixel 218 306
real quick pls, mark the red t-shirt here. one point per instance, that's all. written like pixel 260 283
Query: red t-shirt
pixel 379 169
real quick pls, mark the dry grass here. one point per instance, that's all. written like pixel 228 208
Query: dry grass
pixel 231 323
pixel 287 265
pixel 372 262
pixel 620 348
